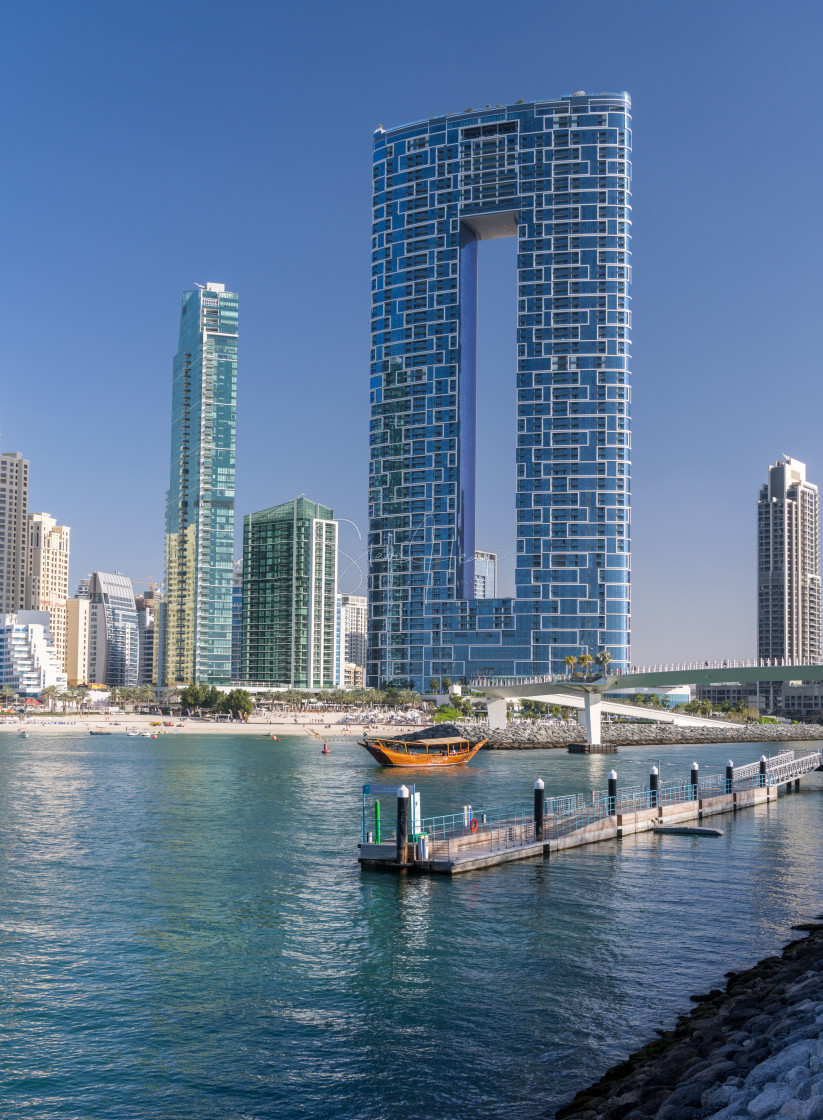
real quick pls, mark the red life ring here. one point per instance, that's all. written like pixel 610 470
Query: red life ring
pixel 473 824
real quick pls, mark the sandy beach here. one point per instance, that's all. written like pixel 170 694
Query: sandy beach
pixel 330 726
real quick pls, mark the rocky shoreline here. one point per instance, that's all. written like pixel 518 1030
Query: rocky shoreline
pixel 753 1050
pixel 522 737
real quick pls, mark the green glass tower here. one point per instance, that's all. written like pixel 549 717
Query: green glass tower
pixel 196 622
pixel 289 590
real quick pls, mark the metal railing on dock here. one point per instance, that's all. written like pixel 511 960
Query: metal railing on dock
pixel 473 832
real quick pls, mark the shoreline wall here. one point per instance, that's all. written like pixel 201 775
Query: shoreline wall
pixel 753 1050
pixel 523 737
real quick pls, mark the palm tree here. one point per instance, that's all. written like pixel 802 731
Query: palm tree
pixel 49 695
pixel 585 660
pixel 603 658
pixel 7 694
pixel 570 661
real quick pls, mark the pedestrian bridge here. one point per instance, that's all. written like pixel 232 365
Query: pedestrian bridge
pixel 589 691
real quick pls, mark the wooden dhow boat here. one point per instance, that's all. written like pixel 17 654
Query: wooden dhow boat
pixel 452 751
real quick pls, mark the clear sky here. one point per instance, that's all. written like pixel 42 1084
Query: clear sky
pixel 149 147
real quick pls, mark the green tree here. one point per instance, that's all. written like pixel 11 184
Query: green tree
pixel 7 694
pixel 603 658
pixel 49 695
pixel 570 662
pixel 445 683
pixel 434 684
pixel 585 659
pixel 239 702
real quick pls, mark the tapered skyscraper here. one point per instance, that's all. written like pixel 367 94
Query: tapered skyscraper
pixel 556 175
pixel 196 619
pixel 788 566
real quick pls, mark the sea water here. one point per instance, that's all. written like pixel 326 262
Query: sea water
pixel 185 932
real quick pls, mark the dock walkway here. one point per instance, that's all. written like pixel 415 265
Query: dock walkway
pixel 475 839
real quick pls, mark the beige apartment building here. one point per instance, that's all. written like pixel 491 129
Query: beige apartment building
pixel 77 641
pixel 47 574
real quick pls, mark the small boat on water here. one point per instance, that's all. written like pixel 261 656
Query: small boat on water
pixel 102 731
pixel 22 734
pixel 452 751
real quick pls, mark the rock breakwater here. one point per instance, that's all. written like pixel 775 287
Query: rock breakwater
pixel 524 736
pixel 753 1050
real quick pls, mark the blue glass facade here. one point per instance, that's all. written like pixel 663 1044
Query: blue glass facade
pixel 197 613
pixel 557 176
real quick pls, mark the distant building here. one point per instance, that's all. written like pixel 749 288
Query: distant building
pixel 236 618
pixel 354 676
pixel 47 574
pixel 28 658
pixel 77 641
pixel 339 641
pixel 485 575
pixel 197 622
pixel 83 585
pixel 788 566
pixel 289 595
pixel 114 639
pixel 147 606
pixel 14 504
pixel 354 631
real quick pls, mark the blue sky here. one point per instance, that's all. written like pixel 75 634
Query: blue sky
pixel 149 147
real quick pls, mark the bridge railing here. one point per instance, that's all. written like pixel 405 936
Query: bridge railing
pixel 512 826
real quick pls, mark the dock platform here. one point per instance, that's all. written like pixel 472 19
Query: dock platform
pixel 474 840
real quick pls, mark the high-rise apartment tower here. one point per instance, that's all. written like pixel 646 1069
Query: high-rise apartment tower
pixel 114 635
pixel 485 575
pixel 289 595
pixel 788 566
pixel 556 175
pixel 197 612
pixel 14 502
pixel 47 575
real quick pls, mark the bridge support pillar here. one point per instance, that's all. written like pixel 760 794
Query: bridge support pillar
pixel 592 704
pixel 497 714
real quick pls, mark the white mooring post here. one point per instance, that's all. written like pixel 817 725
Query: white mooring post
pixel 592 702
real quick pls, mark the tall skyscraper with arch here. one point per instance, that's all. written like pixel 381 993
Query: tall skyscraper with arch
pixel 557 176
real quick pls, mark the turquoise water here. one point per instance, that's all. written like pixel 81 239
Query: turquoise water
pixel 184 932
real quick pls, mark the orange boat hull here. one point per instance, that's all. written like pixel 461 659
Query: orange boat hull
pixel 387 755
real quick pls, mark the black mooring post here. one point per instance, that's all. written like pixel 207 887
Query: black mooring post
pixel 762 770
pixel 693 778
pixel 730 777
pixel 612 793
pixel 654 787
pixel 539 799
pixel 402 823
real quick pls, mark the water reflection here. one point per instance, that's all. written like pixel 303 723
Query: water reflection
pixel 185 918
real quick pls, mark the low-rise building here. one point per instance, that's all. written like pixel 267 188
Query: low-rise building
pixel 28 657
